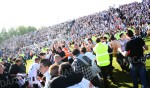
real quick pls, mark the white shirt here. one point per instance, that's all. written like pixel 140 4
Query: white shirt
pixel 83 84
pixel 90 56
pixel 33 73
pixel 33 70
pixel 123 44
pixel 86 40
pixel 47 56
pixel 48 76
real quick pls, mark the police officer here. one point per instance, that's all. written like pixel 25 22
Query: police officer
pixel 134 50
pixel 103 61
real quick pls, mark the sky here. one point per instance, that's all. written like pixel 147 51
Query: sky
pixel 39 13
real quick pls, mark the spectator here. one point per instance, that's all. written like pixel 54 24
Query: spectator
pixel 57 59
pixel 79 66
pixel 123 61
pixel 53 70
pixel 135 54
pixel 90 42
pixel 78 31
pixel 7 65
pixel 69 79
pixel 4 78
pixel 32 73
pixel 62 54
pixel 14 69
pixel 51 58
pixel 96 81
pixel 44 67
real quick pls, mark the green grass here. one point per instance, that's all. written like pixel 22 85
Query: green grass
pixel 123 79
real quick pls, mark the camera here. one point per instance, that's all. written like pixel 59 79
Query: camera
pixel 147 56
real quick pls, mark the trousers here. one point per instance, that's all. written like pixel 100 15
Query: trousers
pixel 138 71
pixel 105 70
pixel 123 62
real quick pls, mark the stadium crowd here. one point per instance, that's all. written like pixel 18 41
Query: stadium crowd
pixel 69 54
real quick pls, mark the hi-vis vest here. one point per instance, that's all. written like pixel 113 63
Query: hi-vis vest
pixel 34 57
pixel 93 38
pixel 102 55
pixel 71 47
pixel 67 53
pixel 8 59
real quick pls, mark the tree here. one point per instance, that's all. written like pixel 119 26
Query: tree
pixel 12 32
pixel 22 30
pixel 31 28
pixel 1 38
pixel 4 34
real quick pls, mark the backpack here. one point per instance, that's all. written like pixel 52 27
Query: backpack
pixel 84 60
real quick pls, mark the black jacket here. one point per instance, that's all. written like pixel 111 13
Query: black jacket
pixel 65 81
pixel 7 82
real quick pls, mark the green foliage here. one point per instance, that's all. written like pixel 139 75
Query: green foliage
pixel 21 30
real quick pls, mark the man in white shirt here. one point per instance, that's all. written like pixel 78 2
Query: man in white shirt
pixel 123 41
pixel 44 67
pixel 88 52
pixel 123 61
pixel 47 54
pixel 83 84
pixel 32 73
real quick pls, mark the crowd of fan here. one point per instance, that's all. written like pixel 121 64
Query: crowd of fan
pixel 56 43
pixel 122 18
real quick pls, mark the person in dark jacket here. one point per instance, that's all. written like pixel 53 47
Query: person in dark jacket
pixel 67 77
pixel 5 80
pixel 14 69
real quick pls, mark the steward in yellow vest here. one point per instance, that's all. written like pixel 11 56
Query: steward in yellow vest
pixel 103 61
pixel 102 56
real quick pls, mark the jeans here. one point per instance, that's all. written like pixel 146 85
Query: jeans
pixel 139 70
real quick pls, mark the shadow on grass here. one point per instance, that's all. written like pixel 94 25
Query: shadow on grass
pixel 123 80
pixel 147 39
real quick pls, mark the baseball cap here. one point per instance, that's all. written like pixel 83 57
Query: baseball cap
pixel 42 53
